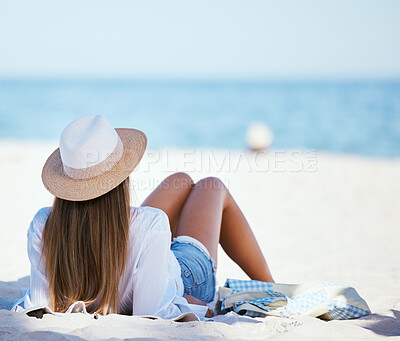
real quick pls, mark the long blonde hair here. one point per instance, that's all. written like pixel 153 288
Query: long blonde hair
pixel 84 246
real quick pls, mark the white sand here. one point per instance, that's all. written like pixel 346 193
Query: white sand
pixel 318 218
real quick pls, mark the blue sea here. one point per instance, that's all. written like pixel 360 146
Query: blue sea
pixel 360 118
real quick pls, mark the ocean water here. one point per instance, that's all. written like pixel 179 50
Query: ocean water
pixel 360 118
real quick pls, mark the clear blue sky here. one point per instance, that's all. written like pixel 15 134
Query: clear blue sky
pixel 200 39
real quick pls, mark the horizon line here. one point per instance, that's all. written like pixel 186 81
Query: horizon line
pixel 150 79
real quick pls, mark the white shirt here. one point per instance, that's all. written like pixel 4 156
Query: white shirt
pixel 151 283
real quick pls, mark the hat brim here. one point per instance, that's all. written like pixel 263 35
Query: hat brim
pixel 58 183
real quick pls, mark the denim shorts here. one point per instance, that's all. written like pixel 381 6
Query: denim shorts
pixel 197 268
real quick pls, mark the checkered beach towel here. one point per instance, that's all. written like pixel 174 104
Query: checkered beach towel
pixel 259 299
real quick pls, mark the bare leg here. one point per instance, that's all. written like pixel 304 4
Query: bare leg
pixel 170 196
pixel 211 215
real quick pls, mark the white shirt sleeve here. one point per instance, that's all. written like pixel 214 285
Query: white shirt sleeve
pixel 155 290
pixel 38 292
pixel 150 278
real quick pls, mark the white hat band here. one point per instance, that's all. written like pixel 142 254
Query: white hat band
pixel 97 169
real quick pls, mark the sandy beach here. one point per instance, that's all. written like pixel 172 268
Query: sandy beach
pixel 318 218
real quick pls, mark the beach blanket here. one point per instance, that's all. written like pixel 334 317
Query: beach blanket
pixel 257 299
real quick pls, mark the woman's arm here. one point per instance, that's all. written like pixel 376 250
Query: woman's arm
pixel 150 278
pixel 194 300
pixel 154 293
pixel 39 287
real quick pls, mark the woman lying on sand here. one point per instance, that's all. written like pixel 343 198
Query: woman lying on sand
pixel 91 246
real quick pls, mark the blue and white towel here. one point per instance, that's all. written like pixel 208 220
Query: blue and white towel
pixel 326 301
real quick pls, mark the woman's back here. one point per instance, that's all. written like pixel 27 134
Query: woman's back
pixel 150 282
pixel 84 248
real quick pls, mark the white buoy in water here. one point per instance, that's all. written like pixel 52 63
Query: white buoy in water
pixel 259 136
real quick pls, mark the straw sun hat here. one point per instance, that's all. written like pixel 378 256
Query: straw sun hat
pixel 93 158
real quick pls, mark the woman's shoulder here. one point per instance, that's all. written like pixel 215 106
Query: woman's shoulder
pixel 42 213
pixel 39 220
pixel 148 218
